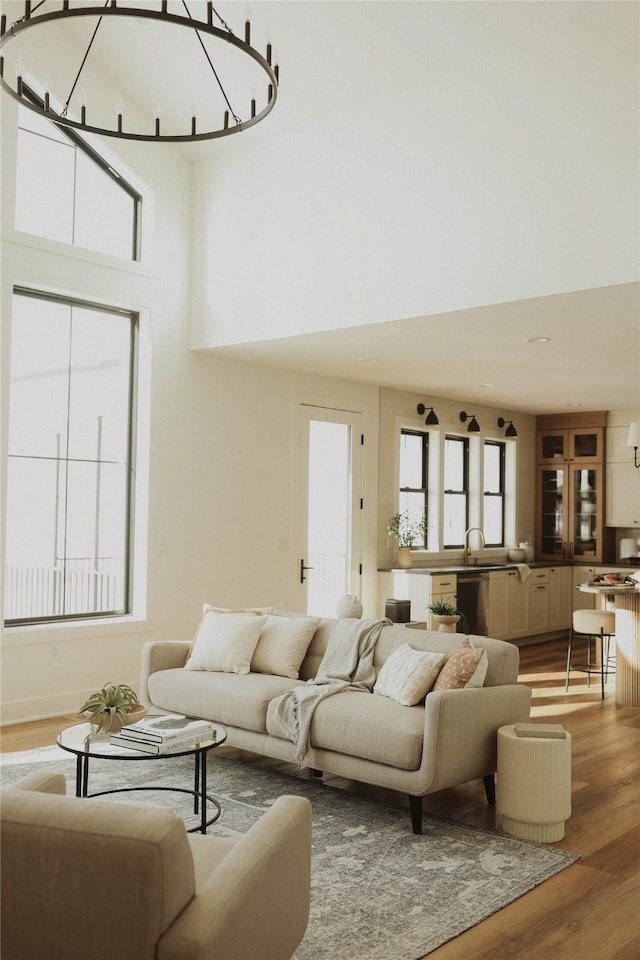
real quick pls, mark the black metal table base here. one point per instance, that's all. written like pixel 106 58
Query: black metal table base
pixel 199 793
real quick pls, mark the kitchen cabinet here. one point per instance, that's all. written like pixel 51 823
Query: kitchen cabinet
pixel 570 488
pixel 560 597
pixel 421 588
pixel 516 605
pixel 538 602
pixel 622 478
pixel 441 586
pixel 584 444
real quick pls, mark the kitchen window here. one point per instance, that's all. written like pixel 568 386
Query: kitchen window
pixel 414 463
pixel 70 459
pixel 494 493
pixel 456 491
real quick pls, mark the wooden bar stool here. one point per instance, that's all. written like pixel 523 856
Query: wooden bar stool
pixel 593 625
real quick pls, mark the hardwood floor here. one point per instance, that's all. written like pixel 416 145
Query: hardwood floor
pixel 589 911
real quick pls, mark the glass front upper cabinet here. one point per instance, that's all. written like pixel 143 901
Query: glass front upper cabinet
pixel 565 446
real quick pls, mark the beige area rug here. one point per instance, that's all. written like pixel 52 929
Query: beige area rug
pixel 378 891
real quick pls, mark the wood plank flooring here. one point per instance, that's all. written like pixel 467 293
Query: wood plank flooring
pixel 591 910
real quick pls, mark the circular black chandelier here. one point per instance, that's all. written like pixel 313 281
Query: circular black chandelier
pixel 64 10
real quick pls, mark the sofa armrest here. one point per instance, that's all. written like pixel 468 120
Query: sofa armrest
pixel 41 782
pixel 460 736
pixel 160 655
pixel 255 902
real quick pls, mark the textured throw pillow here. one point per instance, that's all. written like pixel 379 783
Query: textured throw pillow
pixel 407 675
pixel 283 644
pixel 465 667
pixel 225 643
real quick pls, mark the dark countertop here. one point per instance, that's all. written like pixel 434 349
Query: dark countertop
pixel 508 565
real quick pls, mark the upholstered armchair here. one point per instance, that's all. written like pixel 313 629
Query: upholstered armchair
pixel 89 878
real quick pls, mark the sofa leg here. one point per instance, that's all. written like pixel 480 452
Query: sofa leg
pixel 316 773
pixel 415 806
pixel 490 788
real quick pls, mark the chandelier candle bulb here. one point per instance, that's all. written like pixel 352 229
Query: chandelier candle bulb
pixel 193 126
pixel 269 54
pixel 247 32
pixel 3 24
pixel 46 102
pixel 210 14
pixel 226 120
pixel 83 113
pixel 253 109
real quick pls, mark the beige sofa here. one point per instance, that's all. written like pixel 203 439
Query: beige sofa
pixel 84 878
pixel 447 739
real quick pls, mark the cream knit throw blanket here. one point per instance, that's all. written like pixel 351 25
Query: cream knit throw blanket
pixel 347 665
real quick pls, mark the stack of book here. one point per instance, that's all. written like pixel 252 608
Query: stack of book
pixel 171 733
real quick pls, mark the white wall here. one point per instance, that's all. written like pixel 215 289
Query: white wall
pixel 219 455
pixel 469 154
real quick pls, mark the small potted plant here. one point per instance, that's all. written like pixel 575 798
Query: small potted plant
pixel 448 616
pixel 114 706
pixel 406 531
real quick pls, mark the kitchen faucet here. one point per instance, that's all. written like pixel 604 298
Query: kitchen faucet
pixel 466 553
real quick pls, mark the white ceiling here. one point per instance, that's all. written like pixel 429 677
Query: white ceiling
pixel 334 56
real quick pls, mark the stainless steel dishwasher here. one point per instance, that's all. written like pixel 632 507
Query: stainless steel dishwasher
pixel 473 600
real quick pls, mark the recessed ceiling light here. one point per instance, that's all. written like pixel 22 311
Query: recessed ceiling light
pixel 487 386
pixel 536 339
pixel 368 360
pixel 573 404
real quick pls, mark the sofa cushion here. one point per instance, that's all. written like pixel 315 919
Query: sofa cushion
pixel 283 644
pixel 360 724
pixel 227 698
pixel 408 675
pixel 225 643
pixel 465 667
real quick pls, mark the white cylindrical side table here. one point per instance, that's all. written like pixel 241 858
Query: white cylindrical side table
pixel 533 789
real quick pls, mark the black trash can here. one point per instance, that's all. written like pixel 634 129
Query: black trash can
pixel 398 611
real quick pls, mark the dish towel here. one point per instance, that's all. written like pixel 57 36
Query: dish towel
pixel 523 570
pixel 347 665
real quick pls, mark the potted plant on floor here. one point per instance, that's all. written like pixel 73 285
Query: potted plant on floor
pixel 406 532
pixel 114 706
pixel 449 617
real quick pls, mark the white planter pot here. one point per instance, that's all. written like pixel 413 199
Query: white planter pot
pixel 446 624
pixel 405 558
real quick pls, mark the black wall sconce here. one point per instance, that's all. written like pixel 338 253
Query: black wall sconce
pixel 511 430
pixel 431 420
pixel 474 426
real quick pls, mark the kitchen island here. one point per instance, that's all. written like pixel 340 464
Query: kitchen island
pixel 626 603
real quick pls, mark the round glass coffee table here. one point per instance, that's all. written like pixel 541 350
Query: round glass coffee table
pixel 80 741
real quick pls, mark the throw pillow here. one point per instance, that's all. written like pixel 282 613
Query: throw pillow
pixel 257 611
pixel 225 643
pixel 283 644
pixel 407 675
pixel 465 667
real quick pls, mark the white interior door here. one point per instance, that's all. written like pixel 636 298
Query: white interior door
pixel 327 520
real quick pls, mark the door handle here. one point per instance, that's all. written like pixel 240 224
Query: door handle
pixel 302 570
